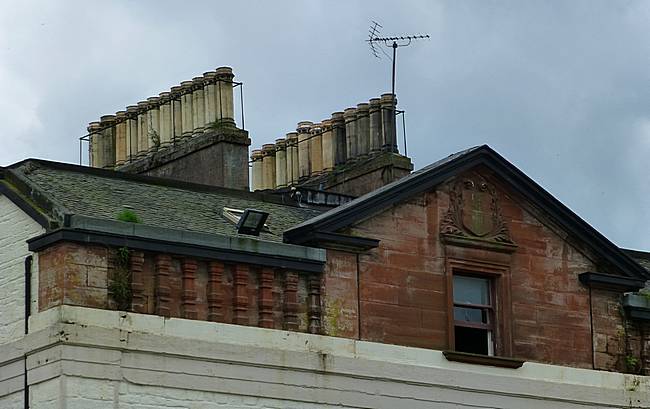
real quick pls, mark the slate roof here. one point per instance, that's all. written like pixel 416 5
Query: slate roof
pixel 641 257
pixel 157 202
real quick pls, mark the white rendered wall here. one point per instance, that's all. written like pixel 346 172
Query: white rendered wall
pixel 15 228
pixel 87 358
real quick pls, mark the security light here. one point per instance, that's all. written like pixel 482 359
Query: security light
pixel 252 222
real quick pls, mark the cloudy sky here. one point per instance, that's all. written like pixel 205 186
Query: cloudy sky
pixel 560 88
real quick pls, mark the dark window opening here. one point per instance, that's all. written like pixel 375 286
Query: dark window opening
pixel 473 340
pixel 473 315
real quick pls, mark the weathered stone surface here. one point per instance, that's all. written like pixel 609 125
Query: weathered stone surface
pixel 403 296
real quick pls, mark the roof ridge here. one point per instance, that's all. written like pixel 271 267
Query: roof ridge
pixel 153 180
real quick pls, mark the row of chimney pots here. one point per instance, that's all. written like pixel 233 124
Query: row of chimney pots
pixel 317 148
pixel 188 109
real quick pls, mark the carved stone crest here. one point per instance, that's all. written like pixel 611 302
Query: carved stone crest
pixel 474 211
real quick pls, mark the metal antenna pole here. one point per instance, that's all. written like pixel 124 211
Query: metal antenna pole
pixel 394 60
pixel 400 41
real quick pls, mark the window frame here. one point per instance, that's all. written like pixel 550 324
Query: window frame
pixel 489 309
pixel 499 280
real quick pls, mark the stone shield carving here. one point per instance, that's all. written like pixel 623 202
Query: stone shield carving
pixel 474 211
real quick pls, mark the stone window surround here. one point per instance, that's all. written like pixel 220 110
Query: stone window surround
pixel 496 267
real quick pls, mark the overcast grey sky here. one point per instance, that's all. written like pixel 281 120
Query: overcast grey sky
pixel 560 88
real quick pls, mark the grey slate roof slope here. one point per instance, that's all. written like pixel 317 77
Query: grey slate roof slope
pixel 641 257
pixel 382 191
pixel 157 202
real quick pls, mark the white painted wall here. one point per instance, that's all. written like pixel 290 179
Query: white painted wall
pixel 87 358
pixel 15 228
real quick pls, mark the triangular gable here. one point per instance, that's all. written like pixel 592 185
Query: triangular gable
pixel 433 175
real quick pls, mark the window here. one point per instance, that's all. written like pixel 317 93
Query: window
pixel 474 314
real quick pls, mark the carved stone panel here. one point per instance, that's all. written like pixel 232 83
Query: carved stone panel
pixel 474 211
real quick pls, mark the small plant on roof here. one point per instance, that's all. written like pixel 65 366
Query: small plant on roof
pixel 128 215
pixel 631 362
pixel 120 284
pixel 154 137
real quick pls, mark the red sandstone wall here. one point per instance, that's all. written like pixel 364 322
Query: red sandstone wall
pixel 403 286
pixel 73 275
pixel 77 274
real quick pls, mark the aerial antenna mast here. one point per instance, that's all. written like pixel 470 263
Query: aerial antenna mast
pixel 376 43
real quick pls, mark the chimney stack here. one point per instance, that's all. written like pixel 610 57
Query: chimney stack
pixel 145 138
pixel 352 153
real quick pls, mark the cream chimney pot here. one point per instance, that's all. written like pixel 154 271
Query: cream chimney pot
pixel 198 105
pixel 95 147
pixel 268 166
pixel 186 109
pixel 316 149
pixel 376 138
pixel 388 107
pixel 280 163
pixel 107 122
pixel 329 147
pixel 143 134
pixel 304 165
pixel 350 115
pixel 363 129
pixel 210 96
pixel 120 138
pixel 338 135
pixel 226 105
pixel 165 119
pixel 153 123
pixel 256 158
pixel 132 142
pixel 177 112
pixel 293 167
